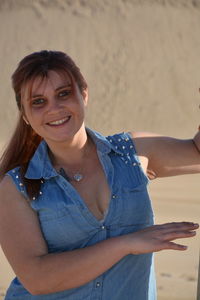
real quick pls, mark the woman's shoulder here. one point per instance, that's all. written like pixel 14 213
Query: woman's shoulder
pixel 5 183
pixel 122 142
pixel 119 136
pixel 10 195
pixel 7 187
pixel 12 180
pixel 13 172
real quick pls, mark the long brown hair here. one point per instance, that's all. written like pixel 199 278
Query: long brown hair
pixel 25 140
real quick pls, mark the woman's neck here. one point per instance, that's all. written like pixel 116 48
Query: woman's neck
pixel 70 153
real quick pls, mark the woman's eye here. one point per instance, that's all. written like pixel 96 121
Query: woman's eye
pixel 64 93
pixel 38 101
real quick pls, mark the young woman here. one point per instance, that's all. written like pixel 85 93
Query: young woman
pixel 75 217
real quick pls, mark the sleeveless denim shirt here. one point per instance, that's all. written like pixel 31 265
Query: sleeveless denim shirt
pixel 67 223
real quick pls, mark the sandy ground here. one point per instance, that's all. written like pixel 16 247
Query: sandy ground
pixel 141 61
pixel 177 199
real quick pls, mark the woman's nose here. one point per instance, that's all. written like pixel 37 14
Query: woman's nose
pixel 54 106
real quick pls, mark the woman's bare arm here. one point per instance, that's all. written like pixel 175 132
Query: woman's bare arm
pixel 166 156
pixel 26 250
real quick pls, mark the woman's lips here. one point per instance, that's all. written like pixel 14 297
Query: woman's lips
pixel 59 122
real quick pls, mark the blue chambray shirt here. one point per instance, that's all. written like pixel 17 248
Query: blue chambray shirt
pixel 67 223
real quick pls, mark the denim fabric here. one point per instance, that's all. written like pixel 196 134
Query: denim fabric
pixel 67 223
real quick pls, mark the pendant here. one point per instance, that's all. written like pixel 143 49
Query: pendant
pixel 78 177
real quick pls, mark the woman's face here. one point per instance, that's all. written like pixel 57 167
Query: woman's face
pixel 56 108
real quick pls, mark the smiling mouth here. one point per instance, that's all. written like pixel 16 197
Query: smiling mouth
pixel 59 122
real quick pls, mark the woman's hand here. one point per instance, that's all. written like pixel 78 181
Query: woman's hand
pixel 160 237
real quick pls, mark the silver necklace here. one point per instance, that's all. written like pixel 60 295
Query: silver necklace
pixel 76 177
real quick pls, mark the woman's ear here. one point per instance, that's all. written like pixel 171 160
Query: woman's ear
pixel 24 116
pixel 25 120
pixel 85 96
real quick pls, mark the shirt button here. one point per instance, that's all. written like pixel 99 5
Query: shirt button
pixel 103 227
pixel 98 284
pixel 113 196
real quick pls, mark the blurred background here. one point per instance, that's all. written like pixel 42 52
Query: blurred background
pixel 141 59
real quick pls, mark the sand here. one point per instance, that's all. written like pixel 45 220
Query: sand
pixel 141 61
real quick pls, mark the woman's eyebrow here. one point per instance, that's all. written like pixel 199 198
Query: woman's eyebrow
pixel 35 96
pixel 57 89
pixel 64 86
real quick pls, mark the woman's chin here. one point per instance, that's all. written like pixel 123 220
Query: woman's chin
pixel 60 139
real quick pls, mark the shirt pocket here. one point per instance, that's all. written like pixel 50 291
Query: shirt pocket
pixel 136 206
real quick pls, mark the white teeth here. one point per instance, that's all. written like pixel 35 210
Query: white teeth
pixel 59 121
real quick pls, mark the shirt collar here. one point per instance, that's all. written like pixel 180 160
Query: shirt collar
pixel 40 164
pixel 103 144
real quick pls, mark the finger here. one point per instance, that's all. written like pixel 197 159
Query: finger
pixel 151 174
pixel 175 246
pixel 178 234
pixel 183 223
pixel 178 225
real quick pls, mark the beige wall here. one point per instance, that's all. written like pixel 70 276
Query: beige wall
pixel 141 59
